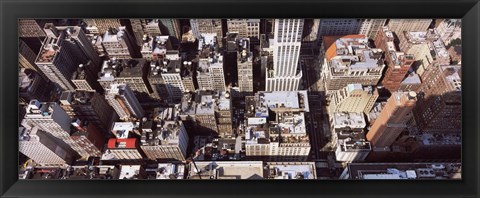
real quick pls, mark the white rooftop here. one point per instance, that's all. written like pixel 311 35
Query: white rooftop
pixel 128 171
pixel 121 129
pixel 350 119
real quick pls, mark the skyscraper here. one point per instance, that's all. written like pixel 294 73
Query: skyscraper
pixel 30 28
pixel 137 28
pixel 166 140
pixel 26 57
pixel 58 60
pixel 172 27
pixel 349 60
pixel 285 74
pixel 49 117
pixel 398 63
pixel 341 27
pixel 42 148
pixel 245 67
pixel 207 26
pixel 439 107
pixel 118 43
pixel 394 118
pixel 122 99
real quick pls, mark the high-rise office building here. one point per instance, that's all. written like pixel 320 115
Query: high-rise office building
pixel 348 137
pixel 245 67
pixel 87 135
pixel 275 127
pixel 394 118
pixel 26 57
pixel 127 150
pixel 101 26
pixel 417 43
pixel 43 148
pixel 129 72
pixel 166 140
pixel 398 63
pixel 137 28
pixel 172 27
pixel 171 73
pixel 210 74
pixel 207 26
pixel 341 27
pixel 89 106
pixel 30 28
pixel 77 36
pixel 409 25
pixel 58 59
pixel 349 60
pixel 245 28
pixel 285 74
pixel 205 113
pixel 353 98
pixel 123 100
pixel 152 27
pixel 223 113
pixel 49 117
pixel 32 86
pixel 439 107
pixel 118 43
pixel 449 29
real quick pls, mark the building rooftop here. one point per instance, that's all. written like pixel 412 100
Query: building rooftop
pixel 412 78
pixel 453 76
pixel 164 133
pixel 114 68
pixel 188 104
pixel 330 43
pixel 223 101
pixel 440 49
pixel 114 35
pixel 291 170
pixel 170 171
pixel 280 100
pixel 80 73
pixel 122 129
pixel 37 109
pixel 94 172
pixel 130 171
pixel 404 170
pixel 128 143
pixel 361 59
pixel 49 49
pixel 169 113
pixel 226 170
pixel 440 138
pixel 206 105
pixel 416 37
pixel 348 119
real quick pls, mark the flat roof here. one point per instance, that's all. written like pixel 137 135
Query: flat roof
pixel 292 170
pixel 129 171
pixel 128 143
pixel 227 170
pixel 348 119
pixel 205 105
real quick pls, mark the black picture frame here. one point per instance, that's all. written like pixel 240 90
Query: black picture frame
pixel 12 10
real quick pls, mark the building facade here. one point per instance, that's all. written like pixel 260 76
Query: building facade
pixel 285 74
pixel 124 102
pixel 393 119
